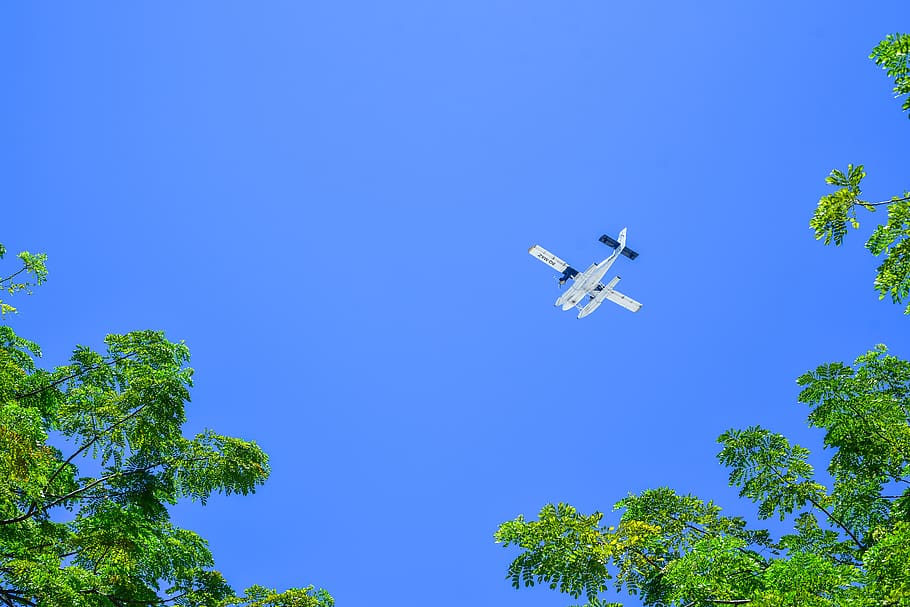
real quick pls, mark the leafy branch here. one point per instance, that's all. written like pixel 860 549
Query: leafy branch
pixel 32 263
pixel 893 55
pixel 89 443
pixel 75 375
pixel 837 210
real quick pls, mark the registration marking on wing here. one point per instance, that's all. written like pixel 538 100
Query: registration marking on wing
pixel 548 258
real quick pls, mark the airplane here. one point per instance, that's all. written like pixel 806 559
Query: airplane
pixel 588 283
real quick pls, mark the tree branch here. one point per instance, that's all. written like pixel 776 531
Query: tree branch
pixel 97 482
pixel 62 466
pixel 647 559
pixel 877 204
pixel 9 596
pixel 822 508
pixel 750 553
pixel 34 509
pixel 121 601
pixel 56 383
pixel 722 602
pixel 14 274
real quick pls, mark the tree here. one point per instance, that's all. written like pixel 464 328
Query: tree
pixel 850 544
pixel 84 517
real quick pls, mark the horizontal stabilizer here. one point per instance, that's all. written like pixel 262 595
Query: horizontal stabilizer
pixel 610 242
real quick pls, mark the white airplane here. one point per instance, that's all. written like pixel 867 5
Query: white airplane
pixel 588 283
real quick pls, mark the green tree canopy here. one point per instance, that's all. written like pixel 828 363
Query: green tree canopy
pixel 850 543
pixel 91 456
pixel 851 540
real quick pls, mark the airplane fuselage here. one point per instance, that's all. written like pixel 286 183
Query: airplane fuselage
pixel 584 283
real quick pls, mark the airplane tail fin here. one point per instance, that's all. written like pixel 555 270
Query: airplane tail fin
pixel 619 244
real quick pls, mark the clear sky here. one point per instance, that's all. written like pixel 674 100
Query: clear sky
pixel 332 202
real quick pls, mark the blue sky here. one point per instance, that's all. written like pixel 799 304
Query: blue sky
pixel 332 202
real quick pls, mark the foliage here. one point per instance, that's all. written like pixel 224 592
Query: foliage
pixel 893 55
pixel 563 549
pixel 835 211
pixel 32 264
pixel 893 239
pixel 91 456
pixel 257 596
pixel 850 542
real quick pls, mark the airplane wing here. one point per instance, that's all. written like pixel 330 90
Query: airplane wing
pixel 627 302
pixel 552 260
pixel 615 296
